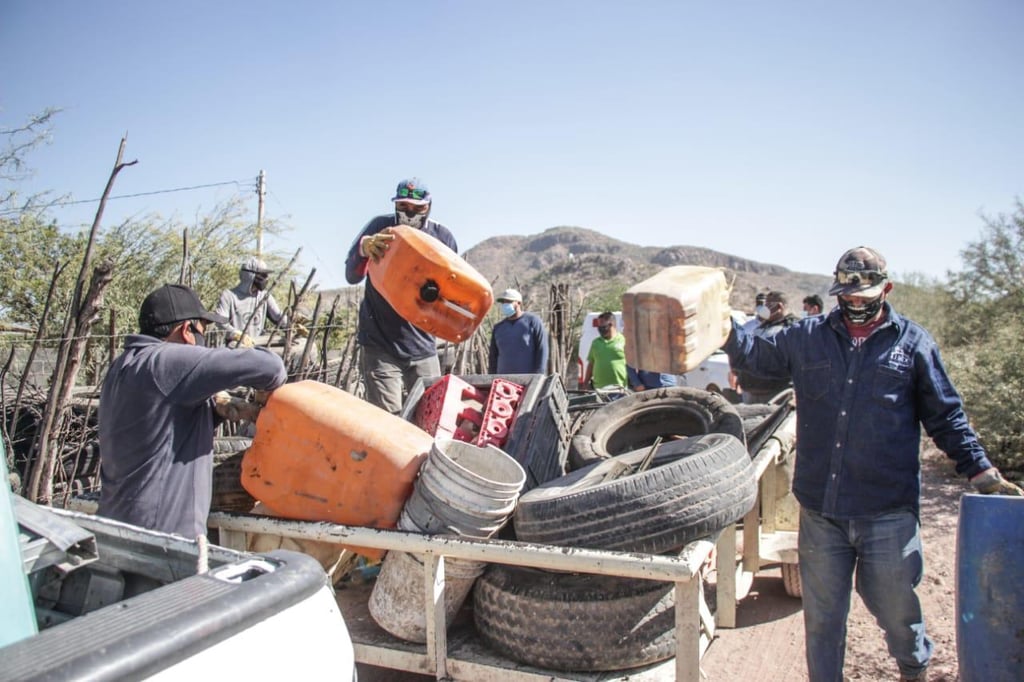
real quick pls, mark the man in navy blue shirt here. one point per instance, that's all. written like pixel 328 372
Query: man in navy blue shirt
pixel 519 342
pixel 866 380
pixel 395 353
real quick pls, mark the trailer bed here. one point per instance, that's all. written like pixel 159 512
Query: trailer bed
pixel 468 657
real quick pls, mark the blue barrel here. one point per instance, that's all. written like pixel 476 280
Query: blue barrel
pixel 990 588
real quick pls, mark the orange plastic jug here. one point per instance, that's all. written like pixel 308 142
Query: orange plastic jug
pixel 674 320
pixel 321 454
pixel 431 286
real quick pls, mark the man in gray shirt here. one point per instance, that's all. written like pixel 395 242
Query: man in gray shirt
pixel 156 417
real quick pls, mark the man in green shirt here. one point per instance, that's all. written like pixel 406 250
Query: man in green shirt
pixel 606 360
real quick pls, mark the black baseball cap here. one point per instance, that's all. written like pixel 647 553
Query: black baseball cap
pixel 174 303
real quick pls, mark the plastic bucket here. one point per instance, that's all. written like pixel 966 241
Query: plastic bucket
pixel 397 601
pixel 464 489
pixel 989 591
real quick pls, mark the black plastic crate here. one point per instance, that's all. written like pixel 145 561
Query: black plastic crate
pixel 539 439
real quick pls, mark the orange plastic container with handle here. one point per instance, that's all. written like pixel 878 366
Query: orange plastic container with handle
pixel 431 286
pixel 674 320
pixel 321 454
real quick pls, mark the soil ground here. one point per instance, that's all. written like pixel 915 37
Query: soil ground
pixel 768 643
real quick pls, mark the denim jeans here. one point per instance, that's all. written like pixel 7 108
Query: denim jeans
pixel 884 552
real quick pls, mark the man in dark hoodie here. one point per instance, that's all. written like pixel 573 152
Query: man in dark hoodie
pixel 156 414
pixel 395 353
pixel 246 307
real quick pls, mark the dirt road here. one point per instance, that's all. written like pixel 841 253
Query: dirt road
pixel 768 642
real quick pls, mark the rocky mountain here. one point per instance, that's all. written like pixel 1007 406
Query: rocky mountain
pixel 601 267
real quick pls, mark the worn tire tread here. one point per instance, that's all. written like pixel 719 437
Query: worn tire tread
pixel 686 496
pixel 565 621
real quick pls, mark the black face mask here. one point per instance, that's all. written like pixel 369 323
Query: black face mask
pixel 199 336
pixel 860 314
pixel 259 282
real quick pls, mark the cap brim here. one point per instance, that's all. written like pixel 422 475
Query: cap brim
pixel 867 291
pixel 213 317
pixel 415 202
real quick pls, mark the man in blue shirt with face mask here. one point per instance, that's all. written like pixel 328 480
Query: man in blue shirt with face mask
pixel 519 342
pixel 866 380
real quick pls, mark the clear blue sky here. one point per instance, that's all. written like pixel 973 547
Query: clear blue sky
pixel 779 131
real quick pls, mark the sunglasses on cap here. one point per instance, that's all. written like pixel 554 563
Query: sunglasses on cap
pixel 870 277
pixel 412 193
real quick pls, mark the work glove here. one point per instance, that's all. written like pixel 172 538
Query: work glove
pixel 300 330
pixel 376 245
pixel 241 340
pixel 234 409
pixel 991 482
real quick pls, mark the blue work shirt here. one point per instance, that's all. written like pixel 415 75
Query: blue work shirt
pixel 379 324
pixel 518 346
pixel 859 411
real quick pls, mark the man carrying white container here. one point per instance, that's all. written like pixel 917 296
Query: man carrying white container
pixel 866 380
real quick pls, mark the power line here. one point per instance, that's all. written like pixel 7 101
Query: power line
pixel 159 191
pixel 131 196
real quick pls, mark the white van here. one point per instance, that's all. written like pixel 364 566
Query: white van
pixel 710 375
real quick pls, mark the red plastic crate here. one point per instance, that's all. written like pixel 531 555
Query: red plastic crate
pixel 499 413
pixel 451 407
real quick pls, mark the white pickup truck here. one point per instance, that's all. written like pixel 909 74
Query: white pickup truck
pixel 198 611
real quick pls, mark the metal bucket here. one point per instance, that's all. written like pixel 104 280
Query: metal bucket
pixel 462 490
pixel 989 591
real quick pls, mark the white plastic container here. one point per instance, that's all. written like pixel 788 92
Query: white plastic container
pixel 676 319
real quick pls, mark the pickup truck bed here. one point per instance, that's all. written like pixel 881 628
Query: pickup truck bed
pixel 185 624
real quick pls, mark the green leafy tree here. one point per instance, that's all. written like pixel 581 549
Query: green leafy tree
pixel 984 331
pixel 150 253
pixel 29 251
pixel 925 300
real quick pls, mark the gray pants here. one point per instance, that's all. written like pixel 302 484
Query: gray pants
pixel 388 379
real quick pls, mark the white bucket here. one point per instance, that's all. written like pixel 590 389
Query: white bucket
pixel 462 490
pixel 465 490
pixel 397 601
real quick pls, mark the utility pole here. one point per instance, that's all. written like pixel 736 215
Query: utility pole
pixel 261 192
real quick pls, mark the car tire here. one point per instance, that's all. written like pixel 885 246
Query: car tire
pixel 694 487
pixel 635 421
pixel 791 579
pixel 228 493
pixel 570 621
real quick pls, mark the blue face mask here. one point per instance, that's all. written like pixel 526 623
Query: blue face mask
pixel 508 309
